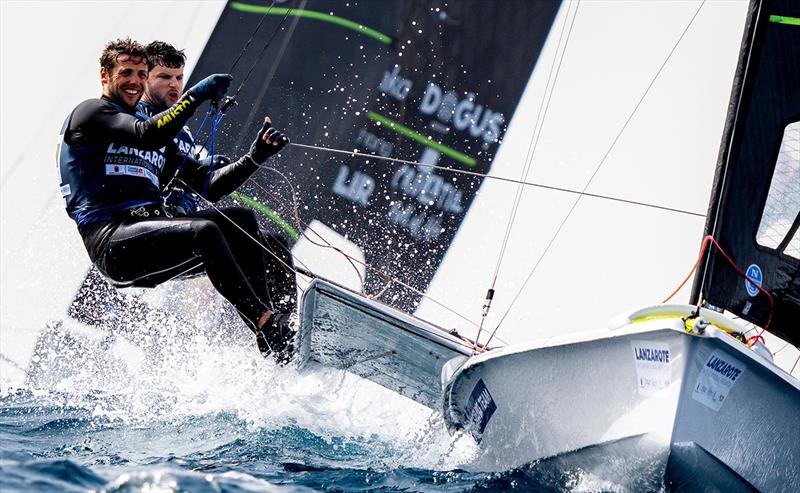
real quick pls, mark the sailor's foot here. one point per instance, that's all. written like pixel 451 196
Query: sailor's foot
pixel 275 337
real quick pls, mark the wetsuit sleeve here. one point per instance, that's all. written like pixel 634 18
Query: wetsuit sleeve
pixel 222 181
pixel 101 118
pixel 173 165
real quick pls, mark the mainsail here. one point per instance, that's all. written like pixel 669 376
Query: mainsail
pixel 755 207
pixel 423 82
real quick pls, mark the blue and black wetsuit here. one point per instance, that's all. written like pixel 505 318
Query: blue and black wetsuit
pixel 177 200
pixel 114 162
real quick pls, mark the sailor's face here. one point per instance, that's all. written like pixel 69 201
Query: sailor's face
pixel 125 83
pixel 164 86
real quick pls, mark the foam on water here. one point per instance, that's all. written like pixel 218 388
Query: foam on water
pixel 172 373
pixel 166 405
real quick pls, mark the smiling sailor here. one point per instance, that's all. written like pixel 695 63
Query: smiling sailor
pixel 113 160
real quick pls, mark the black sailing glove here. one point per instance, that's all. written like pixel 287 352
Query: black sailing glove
pixel 216 161
pixel 269 142
pixel 212 87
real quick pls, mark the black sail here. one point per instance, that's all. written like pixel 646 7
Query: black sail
pixel 755 207
pixel 430 81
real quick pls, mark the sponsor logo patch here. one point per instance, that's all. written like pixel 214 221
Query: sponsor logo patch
pixel 719 374
pixel 173 113
pixel 480 409
pixel 652 361
pixel 130 170
pixel 754 273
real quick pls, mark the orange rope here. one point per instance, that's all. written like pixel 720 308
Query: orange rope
pixel 694 268
pixel 710 239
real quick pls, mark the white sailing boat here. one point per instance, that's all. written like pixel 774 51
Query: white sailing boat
pixel 685 380
pixel 563 392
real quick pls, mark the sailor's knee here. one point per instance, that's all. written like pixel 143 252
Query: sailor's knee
pixel 246 218
pixel 206 232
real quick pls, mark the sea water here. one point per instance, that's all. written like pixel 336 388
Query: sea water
pixel 173 408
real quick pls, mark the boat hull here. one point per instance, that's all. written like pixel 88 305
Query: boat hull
pixel 708 394
pixel 526 403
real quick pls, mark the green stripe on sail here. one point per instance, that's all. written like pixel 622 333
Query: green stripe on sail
pixel 312 14
pixel 427 141
pixel 253 203
pixel 782 19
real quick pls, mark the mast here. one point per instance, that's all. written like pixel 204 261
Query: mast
pixel 727 136
pixel 755 203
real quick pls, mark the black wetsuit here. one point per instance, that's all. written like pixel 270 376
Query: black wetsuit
pixel 177 200
pixel 114 162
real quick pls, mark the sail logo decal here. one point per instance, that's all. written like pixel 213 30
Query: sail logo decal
pixel 652 361
pixel 394 85
pixel 480 409
pixel 466 115
pixel 754 279
pixel 719 374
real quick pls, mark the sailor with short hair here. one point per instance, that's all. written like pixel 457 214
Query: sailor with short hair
pixel 113 161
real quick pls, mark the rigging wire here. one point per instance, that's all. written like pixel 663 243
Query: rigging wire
pixel 266 79
pixel 301 225
pixel 252 36
pixel 597 169
pixel 308 273
pixel 710 240
pixel 544 106
pixel 263 49
pixel 227 103
pixel 216 111
pixel 500 178
pixel 303 271
pixel 370 266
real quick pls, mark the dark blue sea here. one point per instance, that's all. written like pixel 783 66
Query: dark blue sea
pixel 171 410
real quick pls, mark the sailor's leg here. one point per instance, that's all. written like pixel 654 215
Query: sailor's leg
pixel 149 252
pixel 281 278
pixel 239 226
pixel 273 269
pixel 268 263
